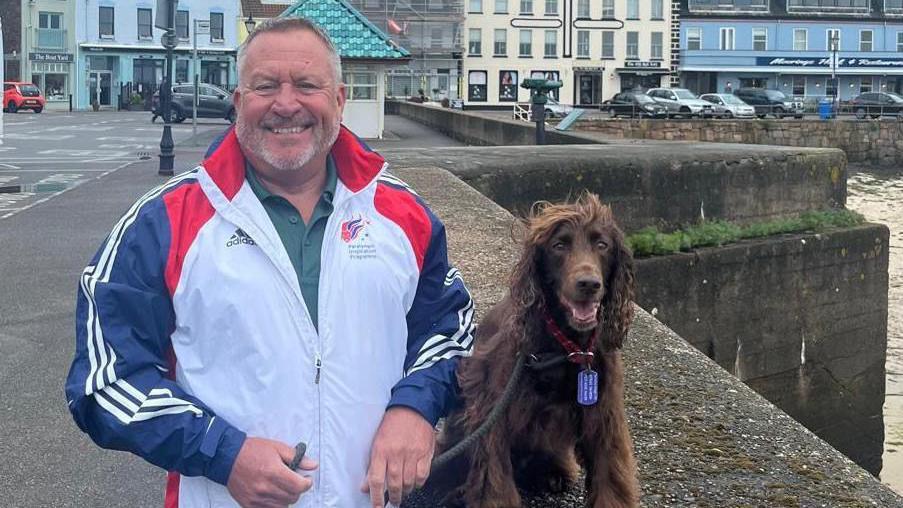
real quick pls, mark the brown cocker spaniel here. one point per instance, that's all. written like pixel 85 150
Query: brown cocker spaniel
pixel 568 311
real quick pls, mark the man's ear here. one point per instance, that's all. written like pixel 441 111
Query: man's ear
pixel 236 99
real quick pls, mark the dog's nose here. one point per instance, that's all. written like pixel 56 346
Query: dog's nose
pixel 589 285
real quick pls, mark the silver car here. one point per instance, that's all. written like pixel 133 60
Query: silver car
pixel 681 102
pixel 729 105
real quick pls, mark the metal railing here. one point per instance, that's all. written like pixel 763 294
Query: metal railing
pixel 522 111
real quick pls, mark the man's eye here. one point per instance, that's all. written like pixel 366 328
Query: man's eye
pixel 265 87
pixel 305 86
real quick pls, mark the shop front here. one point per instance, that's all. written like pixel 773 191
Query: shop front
pixel 641 75
pixel 52 73
pixel 588 86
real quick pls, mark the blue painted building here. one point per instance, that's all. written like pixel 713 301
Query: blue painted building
pixel 787 45
pixel 120 55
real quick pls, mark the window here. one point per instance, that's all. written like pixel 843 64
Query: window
pixel 831 87
pixel 216 26
pixel 800 39
pixel 144 24
pixel 526 7
pixel 50 20
pixel 899 42
pixel 501 6
pixel 633 9
pixel 608 9
pixel 500 42
pixel 633 45
pixel 182 71
pixel 608 44
pixel 799 86
pixel 437 37
pixel 551 7
pixel 656 47
pixel 582 8
pixel 507 86
pixel 360 86
pixel 727 38
pixel 475 6
pixel 832 34
pixel 760 38
pixel 106 22
pixel 525 48
pixel 583 44
pixel 182 25
pixel 476 86
pixel 694 38
pixel 50 33
pixel 551 44
pixel 865 40
pixel 865 84
pixel 475 42
pixel 657 9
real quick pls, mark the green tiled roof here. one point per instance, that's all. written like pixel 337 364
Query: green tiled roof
pixel 353 34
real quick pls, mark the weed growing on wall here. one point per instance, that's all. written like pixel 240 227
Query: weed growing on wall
pixel 652 242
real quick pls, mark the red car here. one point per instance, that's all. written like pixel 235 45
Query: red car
pixel 18 95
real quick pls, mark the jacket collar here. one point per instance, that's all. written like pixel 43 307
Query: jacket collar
pixel 356 164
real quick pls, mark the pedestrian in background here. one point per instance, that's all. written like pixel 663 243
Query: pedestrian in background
pixel 288 289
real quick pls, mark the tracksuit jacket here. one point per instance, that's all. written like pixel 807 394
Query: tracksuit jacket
pixel 191 330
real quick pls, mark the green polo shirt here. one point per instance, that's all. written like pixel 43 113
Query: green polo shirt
pixel 302 241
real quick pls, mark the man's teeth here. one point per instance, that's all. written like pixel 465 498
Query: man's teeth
pixel 288 130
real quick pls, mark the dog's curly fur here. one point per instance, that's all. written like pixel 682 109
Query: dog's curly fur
pixel 537 443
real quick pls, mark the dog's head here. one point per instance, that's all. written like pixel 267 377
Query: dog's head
pixel 577 265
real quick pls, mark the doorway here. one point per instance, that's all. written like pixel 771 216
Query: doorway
pixel 589 89
pixel 99 87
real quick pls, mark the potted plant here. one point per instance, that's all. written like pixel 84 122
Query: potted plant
pixel 95 105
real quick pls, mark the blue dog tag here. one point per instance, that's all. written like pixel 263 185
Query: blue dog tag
pixel 587 387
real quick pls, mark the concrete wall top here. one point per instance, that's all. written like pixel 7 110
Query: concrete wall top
pixel 702 437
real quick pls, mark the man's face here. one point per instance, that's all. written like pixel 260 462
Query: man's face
pixel 289 102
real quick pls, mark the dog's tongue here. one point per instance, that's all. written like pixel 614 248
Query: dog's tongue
pixel 584 311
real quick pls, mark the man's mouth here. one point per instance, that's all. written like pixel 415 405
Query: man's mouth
pixel 287 130
pixel 584 315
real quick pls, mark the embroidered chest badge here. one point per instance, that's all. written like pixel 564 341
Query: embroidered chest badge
pixel 352 229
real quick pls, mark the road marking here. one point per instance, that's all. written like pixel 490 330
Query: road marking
pixel 7 179
pixel 55 169
pixel 8 166
pixel 11 212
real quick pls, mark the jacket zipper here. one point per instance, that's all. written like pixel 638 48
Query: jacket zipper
pixel 319 364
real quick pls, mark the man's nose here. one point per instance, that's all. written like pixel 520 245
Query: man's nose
pixel 287 100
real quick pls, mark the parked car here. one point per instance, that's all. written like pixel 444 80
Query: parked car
pixel 213 102
pixel 681 102
pixel 634 104
pixel 729 106
pixel 555 109
pixel 875 104
pixel 20 95
pixel 770 102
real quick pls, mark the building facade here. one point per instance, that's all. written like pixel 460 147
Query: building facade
pixel 430 30
pixel 805 48
pixel 120 58
pixel 49 48
pixel 595 48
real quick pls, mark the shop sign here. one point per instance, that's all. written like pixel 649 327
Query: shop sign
pixel 812 62
pixel 50 57
pixel 589 69
pixel 639 64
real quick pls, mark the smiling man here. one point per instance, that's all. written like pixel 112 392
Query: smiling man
pixel 287 290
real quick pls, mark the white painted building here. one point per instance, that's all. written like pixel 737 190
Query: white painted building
pixel 597 48
pixel 49 48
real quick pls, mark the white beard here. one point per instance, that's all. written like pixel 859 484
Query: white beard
pixel 252 139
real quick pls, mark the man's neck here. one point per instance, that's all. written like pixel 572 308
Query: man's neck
pixel 302 188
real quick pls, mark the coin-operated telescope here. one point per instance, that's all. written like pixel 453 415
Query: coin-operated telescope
pixel 539 90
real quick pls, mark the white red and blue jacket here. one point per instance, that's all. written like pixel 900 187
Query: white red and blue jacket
pixel 191 331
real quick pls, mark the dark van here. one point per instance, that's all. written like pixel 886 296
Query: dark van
pixel 770 102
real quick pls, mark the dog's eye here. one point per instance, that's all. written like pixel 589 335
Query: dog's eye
pixel 559 245
pixel 602 244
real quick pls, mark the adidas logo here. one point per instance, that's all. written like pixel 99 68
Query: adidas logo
pixel 240 237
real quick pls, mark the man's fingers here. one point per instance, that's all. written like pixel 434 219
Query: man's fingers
pixel 423 470
pixel 291 483
pixel 286 452
pixel 376 481
pixel 409 478
pixel 395 480
pixel 308 464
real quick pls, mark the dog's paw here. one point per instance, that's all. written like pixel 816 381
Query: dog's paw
pixel 558 483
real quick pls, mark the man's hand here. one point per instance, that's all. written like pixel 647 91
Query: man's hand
pixel 400 456
pixel 261 478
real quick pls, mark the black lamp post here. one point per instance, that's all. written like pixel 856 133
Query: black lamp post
pixel 834 40
pixel 168 41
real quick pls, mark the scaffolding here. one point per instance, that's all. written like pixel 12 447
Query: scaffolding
pixel 431 31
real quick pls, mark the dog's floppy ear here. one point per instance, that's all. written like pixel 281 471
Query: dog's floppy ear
pixel 618 307
pixel 525 291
